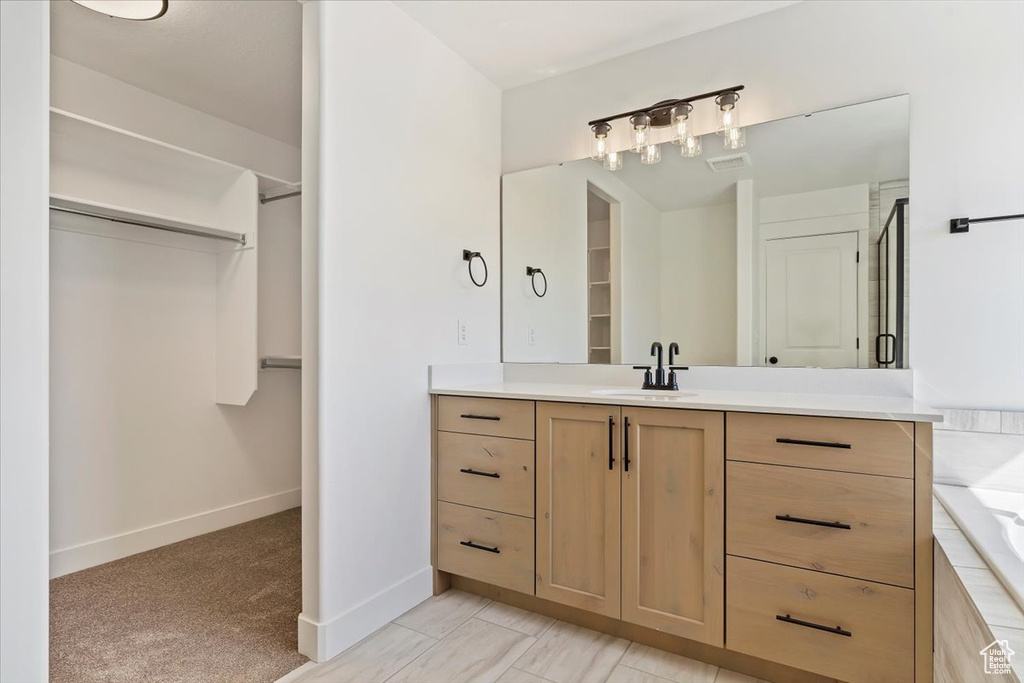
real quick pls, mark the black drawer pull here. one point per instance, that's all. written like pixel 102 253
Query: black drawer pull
pixel 468 416
pixel 470 544
pixel 810 624
pixel 492 475
pixel 611 442
pixel 823 444
pixel 815 522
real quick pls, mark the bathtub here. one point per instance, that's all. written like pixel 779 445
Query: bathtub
pixel 979 479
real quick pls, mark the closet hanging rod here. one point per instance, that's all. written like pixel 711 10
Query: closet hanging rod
pixel 264 199
pixel 240 239
pixel 281 362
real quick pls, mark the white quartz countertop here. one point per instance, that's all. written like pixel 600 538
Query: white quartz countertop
pixel 826 405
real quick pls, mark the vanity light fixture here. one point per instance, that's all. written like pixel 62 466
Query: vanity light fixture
pixel 675 113
pixel 689 144
pixel 651 154
pixel 133 10
pixel 599 145
pixel 641 126
pixel 729 121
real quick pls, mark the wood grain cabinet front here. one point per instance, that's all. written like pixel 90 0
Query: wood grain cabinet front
pixel 578 493
pixel 487 416
pixel 824 443
pixel 673 515
pixel 849 629
pixel 851 524
pixel 486 472
pixel 485 545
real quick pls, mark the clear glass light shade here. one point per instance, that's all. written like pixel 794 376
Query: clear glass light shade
pixel 728 119
pixel 680 130
pixel 641 130
pixel 734 138
pixel 690 146
pixel 613 161
pixel 135 10
pixel 599 147
pixel 651 154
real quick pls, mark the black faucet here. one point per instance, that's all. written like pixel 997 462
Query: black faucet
pixel 659 375
pixel 658 380
pixel 673 381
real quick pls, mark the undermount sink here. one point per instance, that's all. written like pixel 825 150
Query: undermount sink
pixel 646 393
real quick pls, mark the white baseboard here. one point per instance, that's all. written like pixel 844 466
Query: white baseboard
pixel 322 641
pixel 76 558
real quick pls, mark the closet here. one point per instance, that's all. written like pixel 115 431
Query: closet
pixel 175 328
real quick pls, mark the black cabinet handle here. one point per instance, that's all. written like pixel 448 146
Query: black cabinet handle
pixel 470 544
pixel 773 360
pixel 492 475
pixel 625 454
pixel 611 442
pixel 815 522
pixel 822 444
pixel 468 416
pixel 810 624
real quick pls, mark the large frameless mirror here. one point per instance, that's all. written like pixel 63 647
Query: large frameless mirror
pixel 791 251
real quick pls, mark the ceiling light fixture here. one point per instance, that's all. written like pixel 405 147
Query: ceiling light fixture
pixel 133 10
pixel 675 113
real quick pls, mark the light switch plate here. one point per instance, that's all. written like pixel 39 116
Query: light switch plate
pixel 463 333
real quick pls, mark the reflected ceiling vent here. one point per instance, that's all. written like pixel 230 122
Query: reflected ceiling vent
pixel 729 163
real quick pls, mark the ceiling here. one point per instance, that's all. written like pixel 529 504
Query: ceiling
pixel 861 143
pixel 238 60
pixel 515 42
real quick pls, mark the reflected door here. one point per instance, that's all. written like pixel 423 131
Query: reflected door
pixel 811 301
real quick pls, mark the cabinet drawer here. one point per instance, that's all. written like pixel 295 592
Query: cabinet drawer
pixel 852 524
pixel 876 642
pixel 827 443
pixel 487 416
pixel 486 472
pixel 492 547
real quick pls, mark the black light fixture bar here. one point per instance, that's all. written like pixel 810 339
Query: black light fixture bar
pixel 665 105
pixel 964 224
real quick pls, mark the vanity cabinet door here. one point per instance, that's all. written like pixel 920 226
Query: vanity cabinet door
pixel 673 522
pixel 578 491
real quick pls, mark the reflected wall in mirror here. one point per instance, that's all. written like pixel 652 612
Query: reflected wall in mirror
pixel 790 252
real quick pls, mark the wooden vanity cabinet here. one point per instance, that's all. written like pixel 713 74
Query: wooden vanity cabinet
pixel 673 522
pixel 788 547
pixel 578 506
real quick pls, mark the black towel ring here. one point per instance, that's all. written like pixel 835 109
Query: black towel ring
pixel 468 256
pixel 533 273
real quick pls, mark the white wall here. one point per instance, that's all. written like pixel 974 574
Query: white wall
pixel 24 282
pixel 545 219
pixel 98 96
pixel 961 62
pixel 698 283
pixel 141 455
pixel 405 186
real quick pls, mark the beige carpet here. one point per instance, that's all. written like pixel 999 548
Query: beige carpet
pixel 215 608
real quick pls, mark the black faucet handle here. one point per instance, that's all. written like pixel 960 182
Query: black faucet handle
pixel 648 377
pixel 678 367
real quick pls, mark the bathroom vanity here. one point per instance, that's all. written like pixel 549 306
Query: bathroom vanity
pixel 791 543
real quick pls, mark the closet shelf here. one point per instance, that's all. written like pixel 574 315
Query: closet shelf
pixel 281 362
pixel 600 315
pixel 84 207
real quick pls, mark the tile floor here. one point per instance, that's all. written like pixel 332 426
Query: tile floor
pixel 459 637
